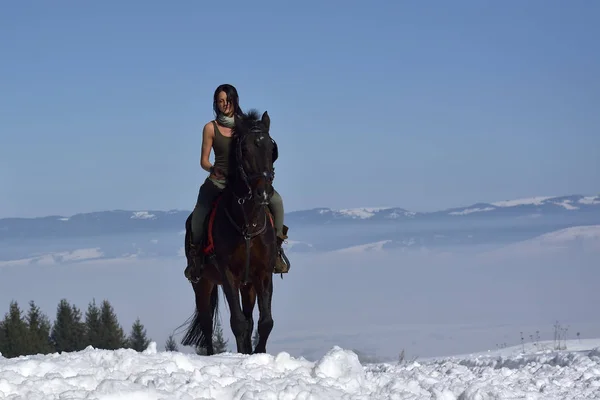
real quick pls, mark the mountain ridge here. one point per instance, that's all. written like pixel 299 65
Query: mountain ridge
pixel 361 212
pixel 574 209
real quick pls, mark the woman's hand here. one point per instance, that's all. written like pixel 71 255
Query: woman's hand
pixel 217 173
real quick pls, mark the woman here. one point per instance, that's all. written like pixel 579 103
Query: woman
pixel 216 135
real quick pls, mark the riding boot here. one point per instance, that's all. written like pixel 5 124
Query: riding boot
pixel 195 266
pixel 282 263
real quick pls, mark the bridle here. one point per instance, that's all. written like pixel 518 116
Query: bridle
pixel 247 178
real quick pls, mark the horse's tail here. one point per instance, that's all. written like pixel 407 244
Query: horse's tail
pixel 194 336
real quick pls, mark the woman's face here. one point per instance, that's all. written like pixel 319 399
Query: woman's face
pixel 224 106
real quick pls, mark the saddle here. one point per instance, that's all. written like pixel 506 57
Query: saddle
pixel 208 244
pixel 200 254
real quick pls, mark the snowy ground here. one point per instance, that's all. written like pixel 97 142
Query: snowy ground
pixel 125 374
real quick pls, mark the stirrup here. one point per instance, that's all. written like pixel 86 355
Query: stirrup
pixel 285 259
pixel 282 259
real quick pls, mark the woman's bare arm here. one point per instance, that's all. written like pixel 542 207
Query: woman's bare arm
pixel 208 135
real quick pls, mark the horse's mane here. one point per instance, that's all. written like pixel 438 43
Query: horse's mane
pixel 251 115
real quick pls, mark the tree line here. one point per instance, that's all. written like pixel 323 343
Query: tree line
pixel 31 332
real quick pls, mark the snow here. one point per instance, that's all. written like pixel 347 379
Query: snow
pixel 537 201
pixel 396 214
pixel 375 246
pixel 127 374
pixel 472 210
pixel 591 232
pixel 57 257
pixel 590 200
pixel 363 212
pixel 290 244
pixel 567 204
pixel 585 238
pixel 142 215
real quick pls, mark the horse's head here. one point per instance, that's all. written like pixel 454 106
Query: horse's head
pixel 252 150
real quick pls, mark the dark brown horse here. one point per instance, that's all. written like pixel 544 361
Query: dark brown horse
pixel 241 243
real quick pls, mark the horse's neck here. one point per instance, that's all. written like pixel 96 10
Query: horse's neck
pixel 246 214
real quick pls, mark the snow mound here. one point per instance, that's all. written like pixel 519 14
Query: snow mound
pixel 127 374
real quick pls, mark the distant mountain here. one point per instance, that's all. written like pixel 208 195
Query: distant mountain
pixel 564 211
pixel 149 234
pixel 93 224
pixel 529 207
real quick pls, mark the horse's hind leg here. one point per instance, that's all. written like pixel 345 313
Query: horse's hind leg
pixel 200 333
pixel 248 302
pixel 264 292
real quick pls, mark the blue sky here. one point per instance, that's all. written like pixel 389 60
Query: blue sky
pixel 417 105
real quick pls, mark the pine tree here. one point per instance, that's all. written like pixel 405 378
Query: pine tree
pixel 14 332
pixel 112 336
pixel 219 342
pixel 137 339
pixel 171 345
pixel 68 332
pixel 3 339
pixel 38 326
pixel 93 325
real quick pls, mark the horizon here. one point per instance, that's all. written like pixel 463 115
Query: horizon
pixel 307 209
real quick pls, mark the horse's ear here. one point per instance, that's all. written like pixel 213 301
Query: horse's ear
pixel 266 120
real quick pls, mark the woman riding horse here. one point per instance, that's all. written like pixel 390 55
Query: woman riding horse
pixel 216 136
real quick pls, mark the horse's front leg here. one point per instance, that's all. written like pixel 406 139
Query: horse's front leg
pixel 248 302
pixel 264 293
pixel 237 320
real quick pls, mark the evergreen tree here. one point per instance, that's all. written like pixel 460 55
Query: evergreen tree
pixel 68 332
pixel 137 339
pixel 219 342
pixel 13 333
pixel 3 340
pixel 171 345
pixel 38 326
pixel 93 325
pixel 112 336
